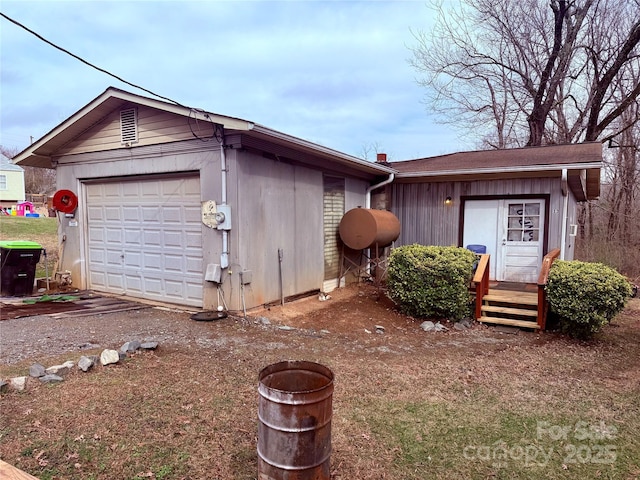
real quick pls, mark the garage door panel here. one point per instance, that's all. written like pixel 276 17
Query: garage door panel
pixel 142 242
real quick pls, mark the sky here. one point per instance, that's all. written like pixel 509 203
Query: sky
pixel 332 72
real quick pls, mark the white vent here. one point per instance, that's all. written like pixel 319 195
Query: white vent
pixel 128 126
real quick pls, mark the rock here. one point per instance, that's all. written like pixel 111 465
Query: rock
pixel 263 321
pixel 88 346
pixel 459 326
pixel 122 356
pixel 466 322
pixel 286 327
pixel 49 378
pixel 85 363
pixel 379 329
pixel 440 328
pixel 18 383
pixel 36 370
pixel 324 331
pixel 57 370
pixel 70 364
pixel 428 326
pixel 107 357
pixel 130 347
pixel 4 386
pixel 149 345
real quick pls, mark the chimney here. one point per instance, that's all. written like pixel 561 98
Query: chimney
pixel 381 158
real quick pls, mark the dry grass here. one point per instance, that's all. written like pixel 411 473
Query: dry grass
pixel 407 404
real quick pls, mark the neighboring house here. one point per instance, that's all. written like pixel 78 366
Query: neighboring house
pixel 518 203
pixel 150 176
pixel 11 183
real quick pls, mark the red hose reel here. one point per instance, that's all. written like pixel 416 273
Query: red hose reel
pixel 65 201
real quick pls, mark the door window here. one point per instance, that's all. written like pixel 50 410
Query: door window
pixel 523 223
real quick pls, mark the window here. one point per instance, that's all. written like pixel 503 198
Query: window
pixel 523 222
pixel 3 182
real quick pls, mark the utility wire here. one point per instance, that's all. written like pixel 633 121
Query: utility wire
pixel 88 63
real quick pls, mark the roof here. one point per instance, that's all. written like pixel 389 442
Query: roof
pixel 40 152
pixel 7 166
pixel 582 161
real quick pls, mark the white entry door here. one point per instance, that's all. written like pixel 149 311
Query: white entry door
pixel 522 239
pixel 512 232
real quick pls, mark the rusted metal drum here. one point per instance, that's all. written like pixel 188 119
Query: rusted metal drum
pixel 364 227
pixel 294 421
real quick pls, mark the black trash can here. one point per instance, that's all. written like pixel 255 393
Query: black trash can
pixel 18 260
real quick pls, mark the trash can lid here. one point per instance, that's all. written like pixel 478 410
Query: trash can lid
pixel 20 245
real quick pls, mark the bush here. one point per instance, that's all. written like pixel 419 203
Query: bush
pixel 585 296
pixel 431 281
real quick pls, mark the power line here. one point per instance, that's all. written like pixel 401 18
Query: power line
pixel 88 63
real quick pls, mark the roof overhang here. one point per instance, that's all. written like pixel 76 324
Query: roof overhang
pixel 41 152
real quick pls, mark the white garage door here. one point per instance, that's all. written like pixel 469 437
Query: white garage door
pixel 145 239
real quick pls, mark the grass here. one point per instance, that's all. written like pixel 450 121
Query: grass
pixel 42 230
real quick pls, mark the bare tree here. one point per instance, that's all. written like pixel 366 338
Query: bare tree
pixel 531 71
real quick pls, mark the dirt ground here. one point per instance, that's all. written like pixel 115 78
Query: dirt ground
pixel 403 398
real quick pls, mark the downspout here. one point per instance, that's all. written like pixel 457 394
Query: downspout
pixel 367 200
pixel 564 186
pixel 224 257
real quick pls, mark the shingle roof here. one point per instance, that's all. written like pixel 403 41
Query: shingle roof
pixel 7 166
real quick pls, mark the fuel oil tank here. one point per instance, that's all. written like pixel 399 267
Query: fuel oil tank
pixel 362 228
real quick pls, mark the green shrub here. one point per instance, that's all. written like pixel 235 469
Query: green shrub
pixel 585 296
pixel 431 281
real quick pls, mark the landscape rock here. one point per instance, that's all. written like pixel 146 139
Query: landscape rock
pixel 108 357
pixel 36 370
pixel 466 322
pixel 263 321
pixel 459 326
pixel 130 347
pixel 379 329
pixel 50 378
pixel 428 326
pixel 149 345
pixel 86 362
pixel 4 386
pixel 70 364
pixel 286 327
pixel 18 383
pixel 440 328
pixel 59 370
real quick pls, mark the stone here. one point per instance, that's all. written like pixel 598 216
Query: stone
pixel 379 329
pixel 50 378
pixel 149 345
pixel 286 327
pixel 59 370
pixel 18 383
pixel 4 386
pixel 428 326
pixel 86 362
pixel 122 356
pixel 70 364
pixel 459 326
pixel 108 357
pixel 466 322
pixel 36 370
pixel 263 321
pixel 130 347
pixel 440 328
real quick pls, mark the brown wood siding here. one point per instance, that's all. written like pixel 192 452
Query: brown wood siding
pixel 154 127
pixel 427 220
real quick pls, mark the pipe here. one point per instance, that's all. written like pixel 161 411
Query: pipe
pixel 367 200
pixel 565 213
pixel 224 258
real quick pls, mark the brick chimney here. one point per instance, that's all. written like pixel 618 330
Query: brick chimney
pixel 381 158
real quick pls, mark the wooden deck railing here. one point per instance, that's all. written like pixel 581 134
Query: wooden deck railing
pixel 547 261
pixel 481 280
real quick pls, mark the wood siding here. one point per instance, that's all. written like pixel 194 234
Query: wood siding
pixel 154 127
pixel 426 219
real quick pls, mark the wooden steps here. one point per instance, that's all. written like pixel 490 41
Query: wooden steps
pixel 511 308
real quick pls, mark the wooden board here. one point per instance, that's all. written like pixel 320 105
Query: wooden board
pixel 8 472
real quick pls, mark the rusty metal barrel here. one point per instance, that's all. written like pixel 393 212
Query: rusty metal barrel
pixel 294 421
pixel 362 228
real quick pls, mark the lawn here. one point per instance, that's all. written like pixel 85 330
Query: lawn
pixel 407 404
pixel 42 230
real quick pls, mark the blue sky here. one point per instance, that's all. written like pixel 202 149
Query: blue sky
pixel 332 72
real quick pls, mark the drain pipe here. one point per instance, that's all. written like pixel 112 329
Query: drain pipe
pixel 367 200
pixel 224 257
pixel 565 213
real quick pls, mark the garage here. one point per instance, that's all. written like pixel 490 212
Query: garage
pixel 144 238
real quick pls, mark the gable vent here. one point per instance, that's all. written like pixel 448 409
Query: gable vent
pixel 128 126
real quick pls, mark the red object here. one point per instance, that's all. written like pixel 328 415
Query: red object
pixel 65 201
